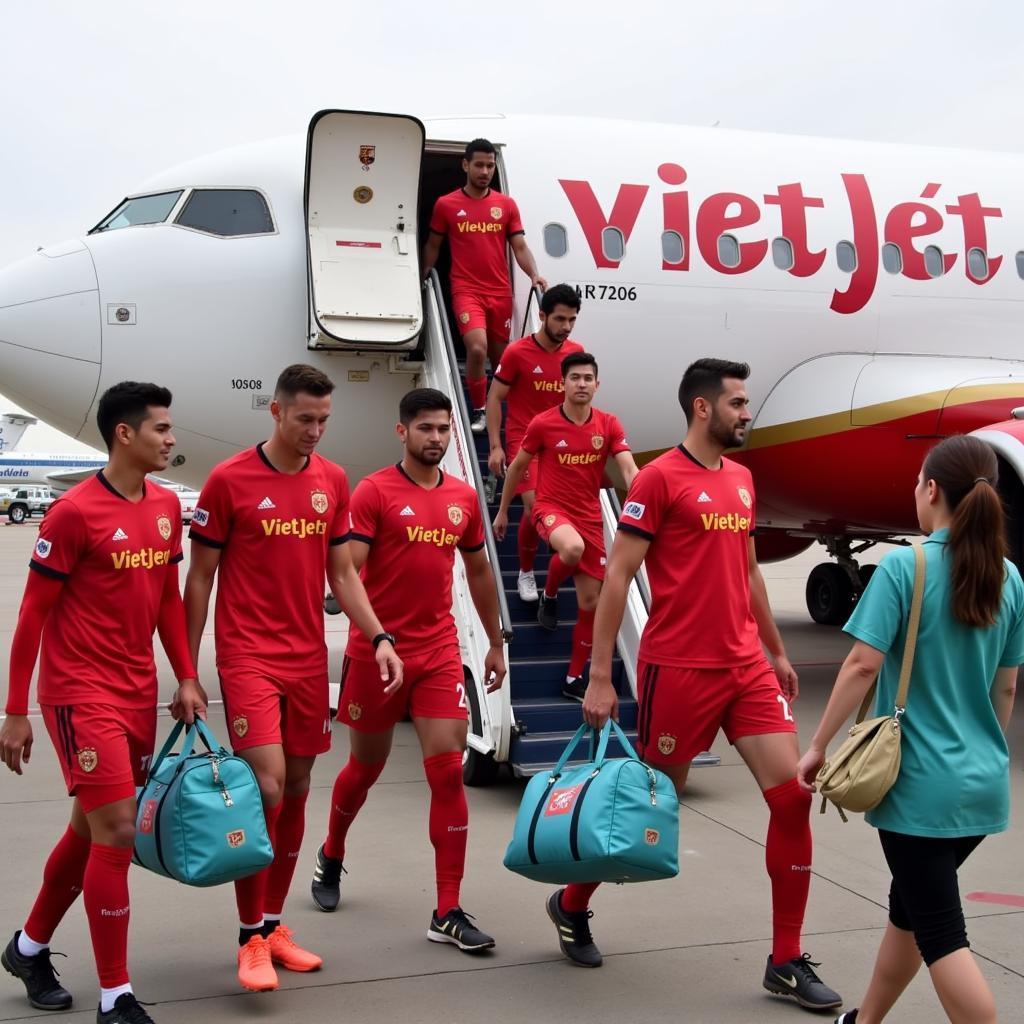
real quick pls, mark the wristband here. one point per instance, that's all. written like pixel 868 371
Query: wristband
pixel 381 637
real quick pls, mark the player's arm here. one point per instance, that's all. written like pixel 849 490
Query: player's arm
pixel 627 466
pixel 526 262
pixel 513 474
pixel 628 552
pixel 202 571
pixel 495 396
pixel 431 250
pixel 1003 692
pixel 767 629
pixel 482 590
pixel 189 698
pixel 348 589
pixel 41 593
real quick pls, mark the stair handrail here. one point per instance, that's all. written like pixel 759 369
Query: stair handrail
pixel 535 293
pixel 642 583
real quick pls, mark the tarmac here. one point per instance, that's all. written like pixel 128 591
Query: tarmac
pixel 691 949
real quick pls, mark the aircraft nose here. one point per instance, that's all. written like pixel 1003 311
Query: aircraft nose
pixel 50 334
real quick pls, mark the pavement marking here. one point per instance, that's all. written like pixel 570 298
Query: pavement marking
pixel 1005 899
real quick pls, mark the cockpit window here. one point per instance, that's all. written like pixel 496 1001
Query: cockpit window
pixel 226 212
pixel 141 210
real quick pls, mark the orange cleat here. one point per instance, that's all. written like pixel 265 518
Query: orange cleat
pixel 292 957
pixel 255 970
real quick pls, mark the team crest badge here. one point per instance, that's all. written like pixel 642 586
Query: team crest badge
pixel 745 496
pixel 319 500
pixel 550 520
pixel 236 838
pixel 597 441
pixel 355 711
pixel 651 836
pixel 88 759
pixel 367 154
pixel 666 744
pixel 496 212
pixel 240 724
pixel 463 318
pixel 163 524
pixel 455 514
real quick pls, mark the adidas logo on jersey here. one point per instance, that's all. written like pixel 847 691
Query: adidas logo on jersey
pixel 462 213
pixel 119 534
pixel 704 496
pixel 407 511
pixel 265 504
pixel 562 444
pixel 537 369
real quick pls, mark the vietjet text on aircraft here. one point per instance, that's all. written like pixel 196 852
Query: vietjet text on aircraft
pixel 876 291
pixel 59 471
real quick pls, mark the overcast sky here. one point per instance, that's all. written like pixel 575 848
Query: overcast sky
pixel 95 97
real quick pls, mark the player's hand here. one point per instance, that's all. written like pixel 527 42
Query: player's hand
pixel 541 283
pixel 500 525
pixel 494 667
pixel 809 766
pixel 600 702
pixel 392 671
pixel 16 742
pixel 496 460
pixel 189 700
pixel 787 677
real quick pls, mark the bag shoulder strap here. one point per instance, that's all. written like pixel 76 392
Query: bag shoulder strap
pixel 912 626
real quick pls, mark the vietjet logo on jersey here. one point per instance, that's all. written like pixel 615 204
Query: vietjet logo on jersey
pixel 438 536
pixel 301 528
pixel 578 459
pixel 554 386
pixel 144 558
pixel 712 216
pixel 472 227
pixel 731 523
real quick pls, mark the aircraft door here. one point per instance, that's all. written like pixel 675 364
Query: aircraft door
pixel 362 186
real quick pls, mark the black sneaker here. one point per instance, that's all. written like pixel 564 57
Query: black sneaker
pixel 574 932
pixel 326 886
pixel 574 689
pixel 127 1010
pixel 547 612
pixel 796 978
pixel 36 972
pixel 455 928
pixel 850 1017
pixel 478 421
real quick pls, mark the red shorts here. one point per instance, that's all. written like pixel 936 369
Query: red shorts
pixel 593 561
pixel 526 481
pixel 491 313
pixel 263 709
pixel 434 686
pixel 681 709
pixel 104 752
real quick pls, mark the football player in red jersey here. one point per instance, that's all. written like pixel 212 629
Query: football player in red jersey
pixel 104 576
pixel 689 516
pixel 572 443
pixel 407 522
pixel 271 522
pixel 478 222
pixel 529 380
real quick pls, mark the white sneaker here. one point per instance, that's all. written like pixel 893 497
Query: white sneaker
pixel 478 421
pixel 528 587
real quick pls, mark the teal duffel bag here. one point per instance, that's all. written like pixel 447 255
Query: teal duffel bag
pixel 611 820
pixel 200 815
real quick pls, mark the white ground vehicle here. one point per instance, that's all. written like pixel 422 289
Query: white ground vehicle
pixel 25 502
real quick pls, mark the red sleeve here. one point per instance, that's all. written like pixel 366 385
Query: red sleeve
pixel 515 222
pixel 41 593
pixel 646 504
pixel 211 521
pixel 533 439
pixel 170 624
pixel 63 540
pixel 365 508
pixel 507 371
pixel 342 523
pixel 439 218
pixel 473 538
pixel 618 442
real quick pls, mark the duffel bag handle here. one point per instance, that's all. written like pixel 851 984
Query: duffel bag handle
pixel 598 756
pixel 198 728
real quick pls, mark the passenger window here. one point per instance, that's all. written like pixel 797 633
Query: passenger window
pixel 153 209
pixel 728 251
pixel 846 257
pixel 556 240
pixel 782 253
pixel 977 263
pixel 613 244
pixel 933 265
pixel 892 258
pixel 672 248
pixel 226 212
pixel 1020 264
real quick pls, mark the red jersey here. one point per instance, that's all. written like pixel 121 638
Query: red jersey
pixel 273 530
pixel 413 534
pixel 114 556
pixel 477 231
pixel 699 522
pixel 534 379
pixel 570 459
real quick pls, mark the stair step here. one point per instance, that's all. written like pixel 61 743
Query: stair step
pixel 556 714
pixel 527 753
pixel 542 678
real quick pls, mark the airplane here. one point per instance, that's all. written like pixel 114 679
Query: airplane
pixel 59 471
pixel 12 426
pixel 875 290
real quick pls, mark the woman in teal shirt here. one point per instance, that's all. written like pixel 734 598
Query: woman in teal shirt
pixel 953 788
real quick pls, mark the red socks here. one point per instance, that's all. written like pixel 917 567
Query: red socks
pixel 291 824
pixel 63 876
pixel 449 820
pixel 350 790
pixel 788 859
pixel 582 641
pixel 477 388
pixel 105 886
pixel 558 573
pixel 250 892
pixel 526 542
pixel 576 897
